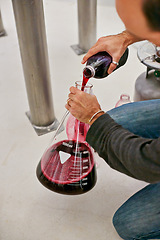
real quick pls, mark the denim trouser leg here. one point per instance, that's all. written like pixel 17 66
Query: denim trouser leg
pixel 139 216
pixel 141 118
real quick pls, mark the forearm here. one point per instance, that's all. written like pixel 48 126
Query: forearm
pixel 122 150
pixel 129 38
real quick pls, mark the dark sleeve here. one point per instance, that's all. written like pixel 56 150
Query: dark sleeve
pixel 124 151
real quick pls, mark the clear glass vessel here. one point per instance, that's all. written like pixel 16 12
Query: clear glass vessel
pixel 67 166
pixel 124 98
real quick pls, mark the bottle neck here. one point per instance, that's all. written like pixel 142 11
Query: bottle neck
pixel 89 71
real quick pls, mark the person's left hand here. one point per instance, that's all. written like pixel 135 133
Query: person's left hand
pixel 82 105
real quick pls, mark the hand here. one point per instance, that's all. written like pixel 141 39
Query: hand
pixel 82 105
pixel 115 45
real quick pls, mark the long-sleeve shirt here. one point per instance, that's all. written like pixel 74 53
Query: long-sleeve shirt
pixel 124 151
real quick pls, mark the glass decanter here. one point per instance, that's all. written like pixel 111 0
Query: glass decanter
pixel 124 99
pixel 67 166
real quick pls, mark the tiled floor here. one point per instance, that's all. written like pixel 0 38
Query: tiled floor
pixel 27 210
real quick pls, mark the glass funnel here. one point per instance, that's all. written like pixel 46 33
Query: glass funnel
pixel 67 166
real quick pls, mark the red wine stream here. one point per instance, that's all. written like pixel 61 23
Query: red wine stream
pixel 84 82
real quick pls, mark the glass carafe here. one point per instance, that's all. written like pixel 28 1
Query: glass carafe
pixel 124 99
pixel 67 166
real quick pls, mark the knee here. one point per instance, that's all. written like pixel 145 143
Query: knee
pixel 130 224
pixel 118 225
pixel 123 225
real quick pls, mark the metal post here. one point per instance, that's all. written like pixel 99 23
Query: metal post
pixel 87 25
pixel 2 30
pixel 29 16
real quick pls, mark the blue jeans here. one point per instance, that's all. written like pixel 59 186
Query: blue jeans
pixel 139 216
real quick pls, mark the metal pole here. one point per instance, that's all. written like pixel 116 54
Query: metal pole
pixel 29 16
pixel 87 25
pixel 2 30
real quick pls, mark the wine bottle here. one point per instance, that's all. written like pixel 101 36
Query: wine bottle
pixel 98 64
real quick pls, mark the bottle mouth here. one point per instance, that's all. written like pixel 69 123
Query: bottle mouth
pixel 89 71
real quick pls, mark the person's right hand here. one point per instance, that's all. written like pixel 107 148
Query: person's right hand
pixel 115 45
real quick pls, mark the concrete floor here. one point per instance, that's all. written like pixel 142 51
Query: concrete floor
pixel 28 210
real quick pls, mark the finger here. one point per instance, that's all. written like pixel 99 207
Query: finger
pixel 85 58
pixel 73 90
pixel 90 53
pixel 76 98
pixel 69 102
pixel 95 49
pixel 111 68
pixel 71 96
pixel 67 107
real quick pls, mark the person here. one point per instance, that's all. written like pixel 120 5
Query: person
pixel 128 137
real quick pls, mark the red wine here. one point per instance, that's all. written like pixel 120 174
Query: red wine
pixel 84 82
pixel 98 64
pixel 68 167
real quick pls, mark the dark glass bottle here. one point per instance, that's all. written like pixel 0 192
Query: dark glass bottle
pixel 98 64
